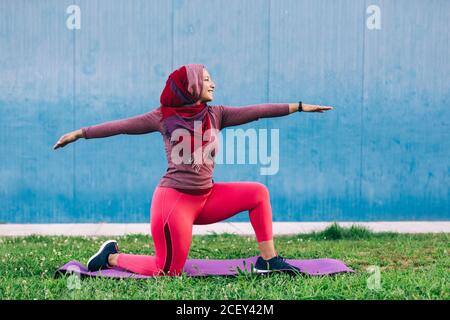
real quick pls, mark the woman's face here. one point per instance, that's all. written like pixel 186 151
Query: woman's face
pixel 208 88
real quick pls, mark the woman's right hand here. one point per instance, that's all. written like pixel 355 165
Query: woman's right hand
pixel 68 138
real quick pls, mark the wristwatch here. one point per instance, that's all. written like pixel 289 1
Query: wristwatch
pixel 300 106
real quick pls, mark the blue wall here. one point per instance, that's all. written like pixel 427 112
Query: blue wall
pixel 382 154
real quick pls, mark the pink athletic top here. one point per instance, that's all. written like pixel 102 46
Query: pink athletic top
pixel 185 177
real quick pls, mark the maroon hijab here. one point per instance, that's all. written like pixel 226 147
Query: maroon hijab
pixel 183 89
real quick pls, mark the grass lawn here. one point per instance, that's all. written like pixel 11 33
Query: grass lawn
pixel 411 267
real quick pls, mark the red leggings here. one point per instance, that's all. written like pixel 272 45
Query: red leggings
pixel 174 213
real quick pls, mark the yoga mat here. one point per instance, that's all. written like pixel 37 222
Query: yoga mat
pixel 207 267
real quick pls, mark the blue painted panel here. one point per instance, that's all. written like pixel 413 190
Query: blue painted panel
pixel 36 106
pixel 123 57
pixel 406 136
pixel 316 57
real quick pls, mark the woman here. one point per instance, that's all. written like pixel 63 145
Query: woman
pixel 187 194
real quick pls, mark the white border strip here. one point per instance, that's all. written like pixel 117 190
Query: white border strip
pixel 240 228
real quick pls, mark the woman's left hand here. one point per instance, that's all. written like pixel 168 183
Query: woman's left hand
pixel 315 108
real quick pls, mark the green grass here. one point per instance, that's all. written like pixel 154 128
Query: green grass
pixel 411 267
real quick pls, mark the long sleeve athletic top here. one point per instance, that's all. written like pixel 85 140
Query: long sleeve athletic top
pixel 185 177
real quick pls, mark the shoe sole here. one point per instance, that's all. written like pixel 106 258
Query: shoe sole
pixel 259 271
pixel 262 271
pixel 99 250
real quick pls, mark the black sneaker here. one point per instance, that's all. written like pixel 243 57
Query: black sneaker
pixel 100 259
pixel 276 264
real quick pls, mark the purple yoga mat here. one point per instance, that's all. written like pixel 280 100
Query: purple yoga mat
pixel 206 267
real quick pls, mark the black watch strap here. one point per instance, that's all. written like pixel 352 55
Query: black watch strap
pixel 300 106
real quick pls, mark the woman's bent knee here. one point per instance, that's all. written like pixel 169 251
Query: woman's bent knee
pixel 262 191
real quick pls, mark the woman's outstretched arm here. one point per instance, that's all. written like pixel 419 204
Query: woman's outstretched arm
pixel 140 124
pixel 233 116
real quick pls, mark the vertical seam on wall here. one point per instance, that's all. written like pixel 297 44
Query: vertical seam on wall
pixel 268 76
pixel 172 33
pixel 362 105
pixel 74 193
pixel 268 53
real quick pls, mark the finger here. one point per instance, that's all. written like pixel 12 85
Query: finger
pixel 59 144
